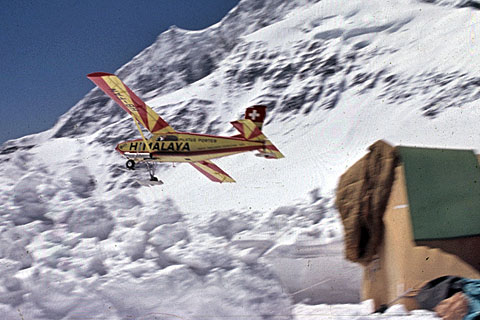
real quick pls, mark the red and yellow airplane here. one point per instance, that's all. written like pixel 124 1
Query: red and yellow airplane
pixel 168 145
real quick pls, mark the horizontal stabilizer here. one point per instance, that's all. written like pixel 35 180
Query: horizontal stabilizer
pixel 250 131
pixel 270 151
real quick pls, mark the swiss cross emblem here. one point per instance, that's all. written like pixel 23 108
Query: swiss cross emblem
pixel 254 114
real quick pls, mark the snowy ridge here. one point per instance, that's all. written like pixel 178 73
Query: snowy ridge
pixel 80 238
pixel 456 3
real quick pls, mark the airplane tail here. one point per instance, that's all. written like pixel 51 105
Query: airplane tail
pixel 250 127
pixel 250 131
pixel 257 114
pixel 270 151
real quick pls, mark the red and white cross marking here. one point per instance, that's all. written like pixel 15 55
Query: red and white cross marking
pixel 254 114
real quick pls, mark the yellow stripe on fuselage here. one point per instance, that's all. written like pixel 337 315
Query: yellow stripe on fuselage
pixel 190 147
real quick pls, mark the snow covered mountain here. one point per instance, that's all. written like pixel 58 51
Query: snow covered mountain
pixel 82 239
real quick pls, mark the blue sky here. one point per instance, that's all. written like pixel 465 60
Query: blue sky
pixel 48 46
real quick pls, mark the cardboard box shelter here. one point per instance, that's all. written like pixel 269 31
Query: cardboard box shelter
pixel 411 215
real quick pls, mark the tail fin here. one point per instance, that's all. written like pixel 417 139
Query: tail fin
pixel 248 130
pixel 257 114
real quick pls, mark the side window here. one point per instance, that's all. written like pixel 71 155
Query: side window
pixel 171 138
pixel 167 138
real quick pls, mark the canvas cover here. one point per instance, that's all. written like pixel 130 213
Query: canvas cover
pixel 443 188
pixel 362 195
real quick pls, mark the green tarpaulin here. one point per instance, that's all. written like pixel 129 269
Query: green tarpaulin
pixel 443 188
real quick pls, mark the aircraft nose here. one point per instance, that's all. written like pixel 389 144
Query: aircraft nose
pixel 120 147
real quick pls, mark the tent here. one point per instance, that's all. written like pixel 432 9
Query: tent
pixel 411 215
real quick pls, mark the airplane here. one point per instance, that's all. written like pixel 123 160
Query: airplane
pixel 167 145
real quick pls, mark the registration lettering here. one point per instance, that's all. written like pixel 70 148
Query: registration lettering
pixel 124 99
pixel 160 146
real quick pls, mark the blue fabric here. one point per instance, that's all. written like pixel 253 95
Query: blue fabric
pixel 471 287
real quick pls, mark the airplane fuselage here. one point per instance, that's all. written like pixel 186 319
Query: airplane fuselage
pixel 186 147
pixel 168 145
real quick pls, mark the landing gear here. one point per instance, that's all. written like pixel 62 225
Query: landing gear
pixel 130 164
pixel 151 171
pixel 153 181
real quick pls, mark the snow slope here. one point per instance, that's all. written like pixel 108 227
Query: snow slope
pixel 82 239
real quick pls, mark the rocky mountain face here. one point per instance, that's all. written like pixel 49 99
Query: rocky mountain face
pixel 176 59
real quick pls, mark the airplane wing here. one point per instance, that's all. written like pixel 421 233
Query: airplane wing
pixel 212 171
pixel 128 101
